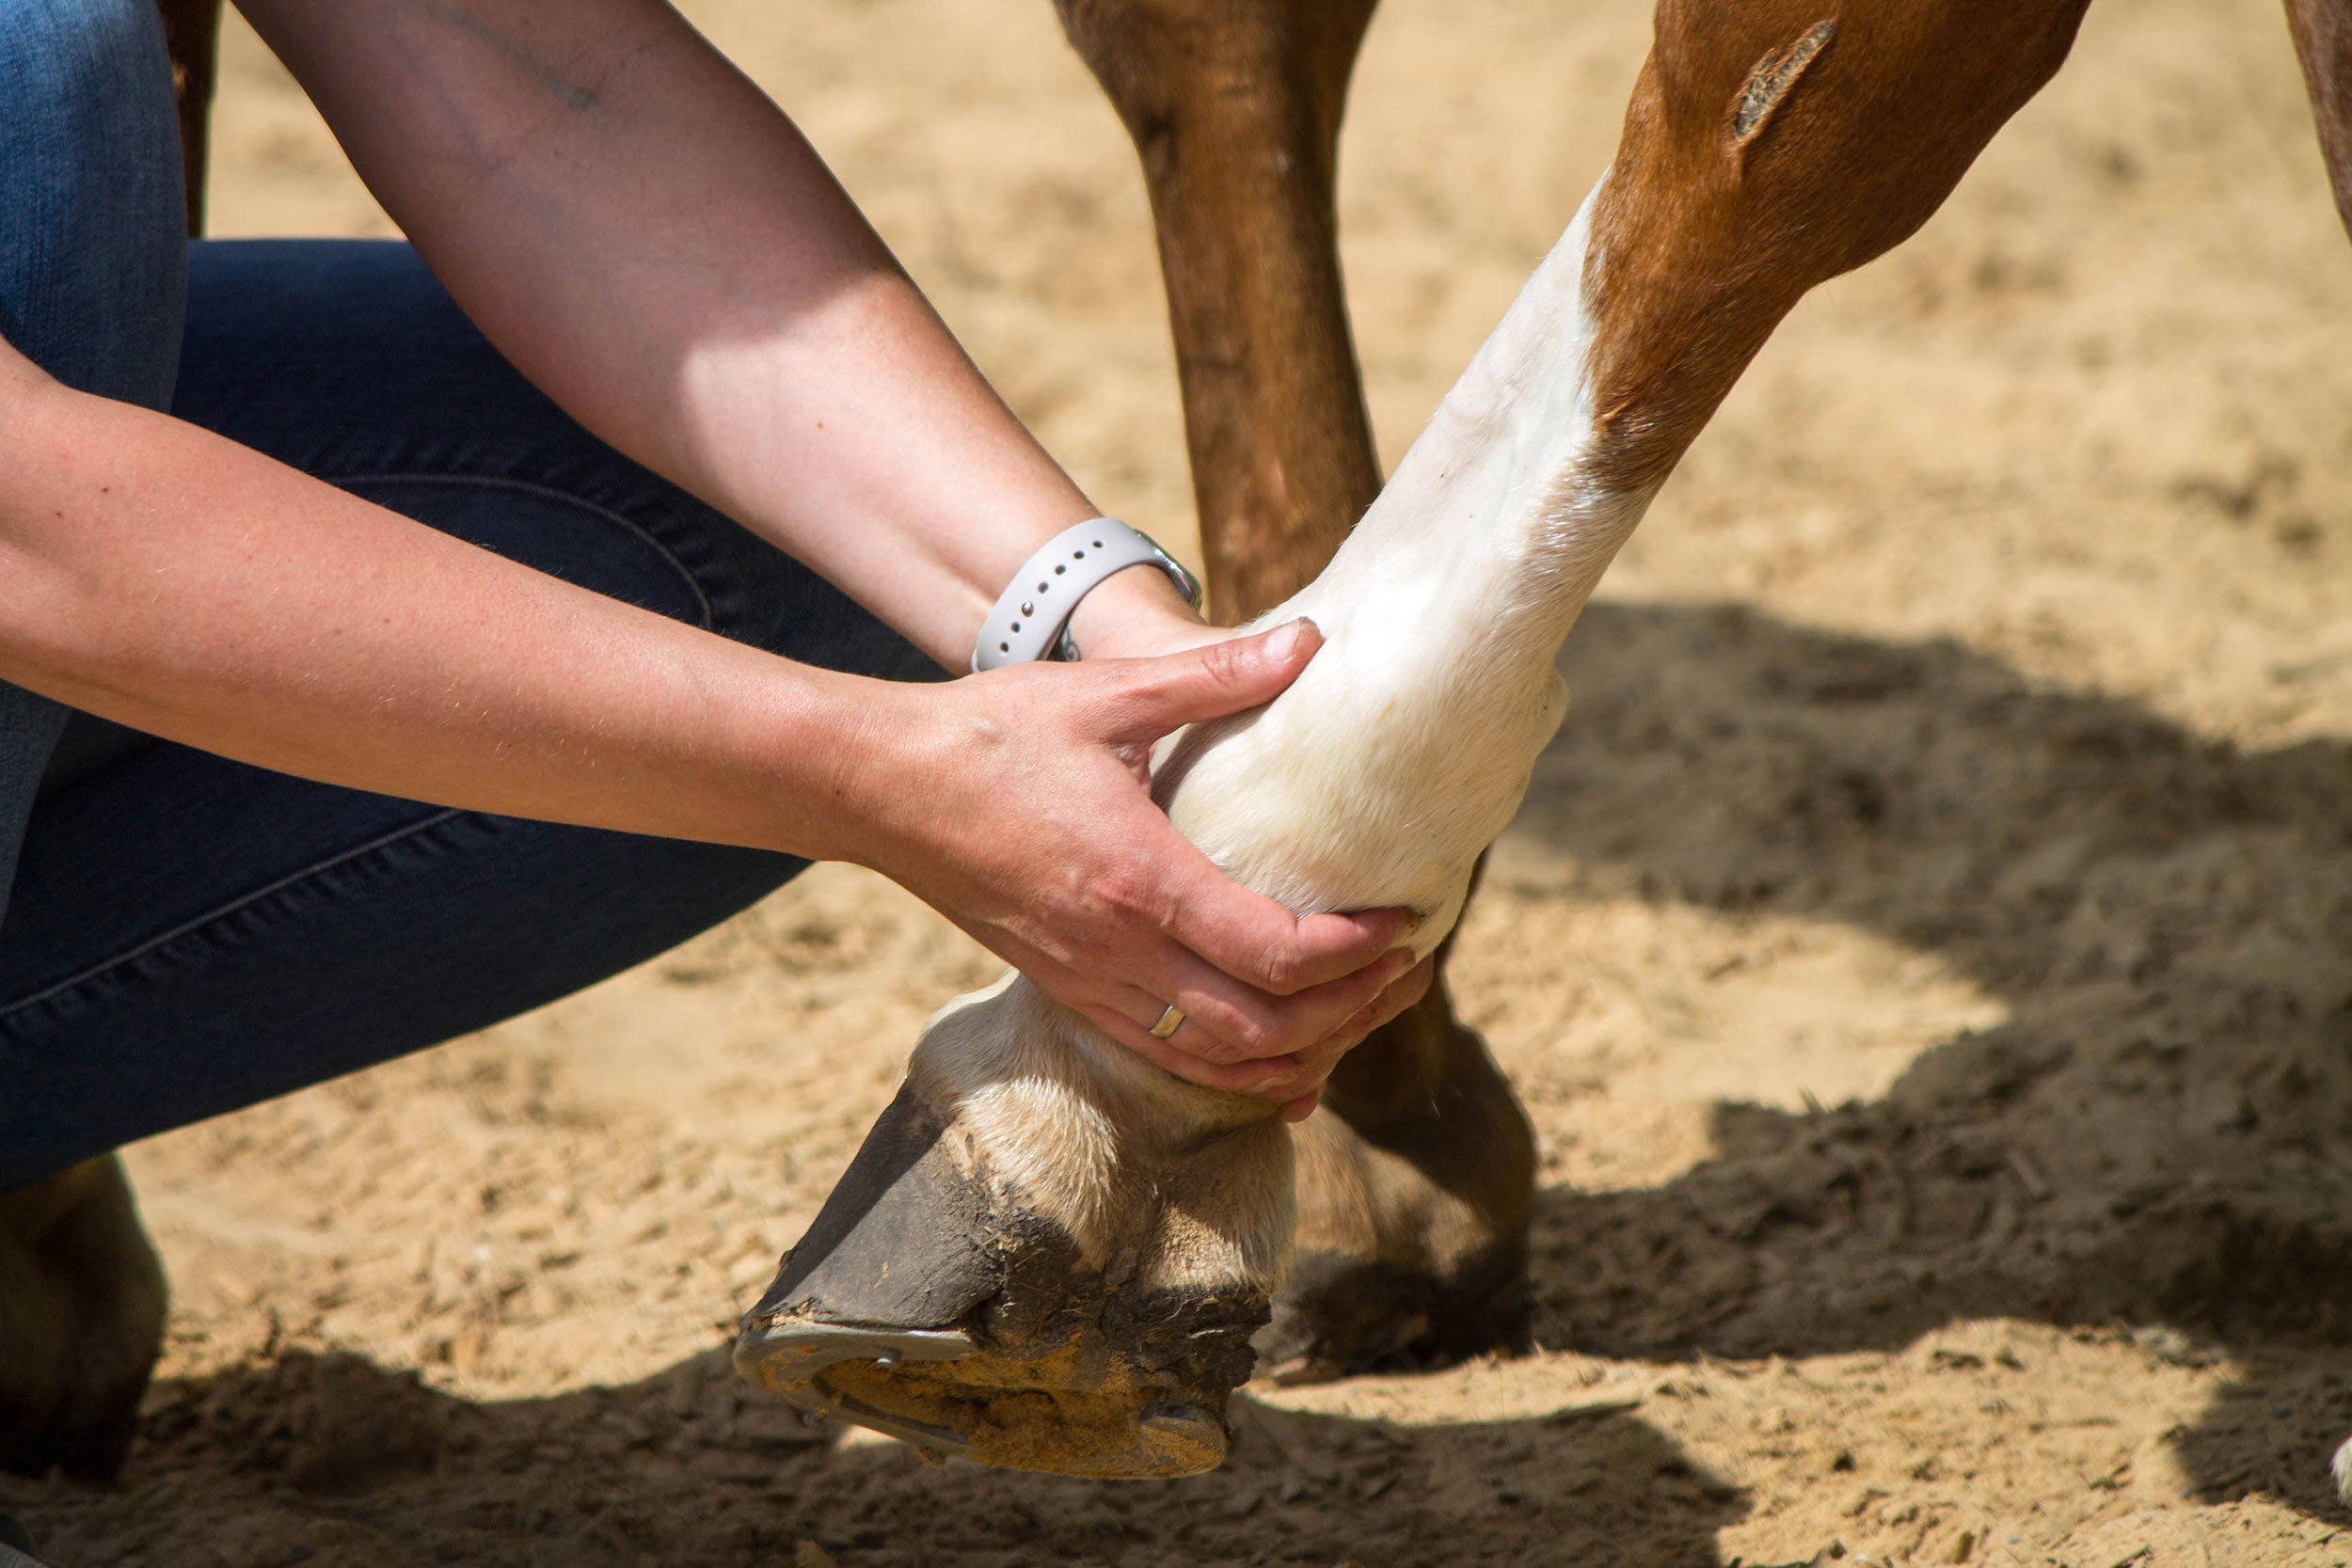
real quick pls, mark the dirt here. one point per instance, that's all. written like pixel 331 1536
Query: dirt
pixel 1927 953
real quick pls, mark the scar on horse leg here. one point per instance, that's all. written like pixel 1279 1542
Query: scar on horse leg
pixel 1770 82
pixel 1767 148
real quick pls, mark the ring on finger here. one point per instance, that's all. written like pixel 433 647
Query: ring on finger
pixel 1171 1020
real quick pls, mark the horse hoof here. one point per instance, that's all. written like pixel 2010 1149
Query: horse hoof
pixel 944 1297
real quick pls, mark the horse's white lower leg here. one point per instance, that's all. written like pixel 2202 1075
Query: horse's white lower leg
pixel 1051 1254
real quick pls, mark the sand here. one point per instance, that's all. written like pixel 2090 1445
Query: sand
pixel 1926 953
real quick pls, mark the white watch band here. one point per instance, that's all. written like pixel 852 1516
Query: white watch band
pixel 1032 618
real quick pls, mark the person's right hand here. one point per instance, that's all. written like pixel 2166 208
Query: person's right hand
pixel 1017 803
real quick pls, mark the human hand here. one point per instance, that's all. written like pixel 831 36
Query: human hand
pixel 1018 804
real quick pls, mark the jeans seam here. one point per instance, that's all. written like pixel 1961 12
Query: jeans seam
pixel 224 911
pixel 548 492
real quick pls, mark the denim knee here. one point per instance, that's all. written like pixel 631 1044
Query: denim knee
pixel 93 250
pixel 93 218
pixel 348 360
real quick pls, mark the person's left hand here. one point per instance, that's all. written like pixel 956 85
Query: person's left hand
pixel 1018 804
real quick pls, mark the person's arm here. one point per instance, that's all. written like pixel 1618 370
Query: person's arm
pixel 160 575
pixel 655 246
pixel 191 588
pixel 658 247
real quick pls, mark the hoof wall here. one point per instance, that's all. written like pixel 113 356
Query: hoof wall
pixel 925 1304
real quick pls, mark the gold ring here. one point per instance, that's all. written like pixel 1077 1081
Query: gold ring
pixel 1170 1020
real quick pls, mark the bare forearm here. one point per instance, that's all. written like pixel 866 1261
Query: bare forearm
pixel 162 577
pixel 656 246
pixel 158 575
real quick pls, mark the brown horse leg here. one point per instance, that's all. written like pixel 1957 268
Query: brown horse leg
pixel 1770 145
pixel 1415 1189
pixel 1234 106
pixel 192 27
pixel 2323 41
pixel 81 1321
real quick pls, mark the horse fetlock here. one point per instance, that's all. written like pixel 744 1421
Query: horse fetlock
pixel 1416 1188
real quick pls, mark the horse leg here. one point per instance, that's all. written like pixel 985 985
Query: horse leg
pixel 1416 1184
pixel 2323 41
pixel 1047 1253
pixel 1234 108
pixel 82 1301
pixel 1770 145
pixel 192 29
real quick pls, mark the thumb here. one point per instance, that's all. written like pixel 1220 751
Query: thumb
pixel 1231 676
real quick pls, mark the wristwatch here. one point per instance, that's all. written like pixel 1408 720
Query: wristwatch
pixel 1031 620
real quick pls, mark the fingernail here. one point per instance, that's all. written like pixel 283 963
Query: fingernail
pixel 1284 644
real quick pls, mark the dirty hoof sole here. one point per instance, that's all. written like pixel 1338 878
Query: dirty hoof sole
pixel 938 1390
pixel 790 1362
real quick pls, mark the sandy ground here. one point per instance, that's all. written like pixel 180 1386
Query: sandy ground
pixel 1926 952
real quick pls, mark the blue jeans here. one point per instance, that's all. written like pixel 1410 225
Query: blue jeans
pixel 184 935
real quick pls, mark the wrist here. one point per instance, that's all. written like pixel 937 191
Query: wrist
pixel 1137 613
pixel 825 760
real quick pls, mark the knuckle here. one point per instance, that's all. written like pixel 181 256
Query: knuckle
pixel 1255 1041
pixel 1281 970
pixel 1221 1053
pixel 1227 663
pixel 1222 1038
pixel 1119 885
pixel 1250 1036
pixel 1368 987
pixel 1130 890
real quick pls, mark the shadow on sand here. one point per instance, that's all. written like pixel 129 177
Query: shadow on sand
pixel 2157 1143
pixel 333 1460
